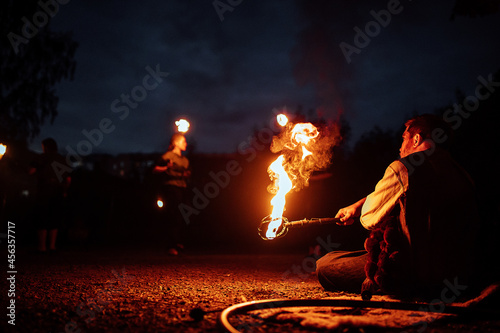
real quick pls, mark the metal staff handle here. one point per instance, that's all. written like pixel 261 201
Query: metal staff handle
pixel 315 220
pixel 286 225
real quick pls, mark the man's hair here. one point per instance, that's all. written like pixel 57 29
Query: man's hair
pixel 50 145
pixel 427 126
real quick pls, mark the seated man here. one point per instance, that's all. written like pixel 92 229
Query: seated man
pixel 422 216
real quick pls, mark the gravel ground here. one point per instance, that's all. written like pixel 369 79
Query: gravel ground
pixel 117 290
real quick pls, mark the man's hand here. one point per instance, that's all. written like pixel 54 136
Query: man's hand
pixel 163 168
pixel 159 169
pixel 347 214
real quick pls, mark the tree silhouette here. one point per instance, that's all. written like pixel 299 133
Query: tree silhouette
pixel 33 59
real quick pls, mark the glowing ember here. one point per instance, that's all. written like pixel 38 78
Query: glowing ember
pixel 182 125
pixel 282 119
pixel 3 149
pixel 159 202
pixel 284 185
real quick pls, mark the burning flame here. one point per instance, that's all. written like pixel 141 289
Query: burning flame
pixel 305 153
pixel 3 149
pixel 284 185
pixel 282 119
pixel 182 125
pixel 301 135
pixel 159 202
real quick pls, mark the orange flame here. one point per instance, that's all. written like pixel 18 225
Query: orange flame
pixel 182 125
pixel 301 135
pixel 282 119
pixel 284 185
pixel 305 153
pixel 3 150
pixel 159 203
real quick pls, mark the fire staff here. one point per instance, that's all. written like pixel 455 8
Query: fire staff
pixel 422 218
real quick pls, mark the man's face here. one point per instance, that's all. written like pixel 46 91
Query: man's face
pixel 181 143
pixel 407 145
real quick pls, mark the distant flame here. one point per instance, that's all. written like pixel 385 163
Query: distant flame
pixel 159 203
pixel 3 149
pixel 282 119
pixel 182 125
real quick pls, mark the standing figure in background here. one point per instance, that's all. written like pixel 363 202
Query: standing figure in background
pixel 175 171
pixel 53 180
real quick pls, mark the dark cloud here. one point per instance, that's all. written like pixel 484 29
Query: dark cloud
pixel 227 76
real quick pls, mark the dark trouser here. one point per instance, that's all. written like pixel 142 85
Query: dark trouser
pixel 342 270
pixel 172 221
pixel 49 212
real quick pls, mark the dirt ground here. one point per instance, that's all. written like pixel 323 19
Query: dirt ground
pixel 125 290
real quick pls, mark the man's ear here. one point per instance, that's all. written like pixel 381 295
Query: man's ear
pixel 417 140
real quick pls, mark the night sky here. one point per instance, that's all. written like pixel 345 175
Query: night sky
pixel 227 71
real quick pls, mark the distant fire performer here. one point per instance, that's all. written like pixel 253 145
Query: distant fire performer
pixel 52 189
pixel 174 169
pixel 422 216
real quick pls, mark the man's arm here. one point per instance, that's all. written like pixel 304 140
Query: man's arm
pixel 162 164
pixel 160 169
pixel 389 189
pixel 381 201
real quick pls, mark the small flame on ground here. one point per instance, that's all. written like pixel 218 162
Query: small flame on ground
pixel 282 119
pixel 159 203
pixel 182 125
pixel 3 149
